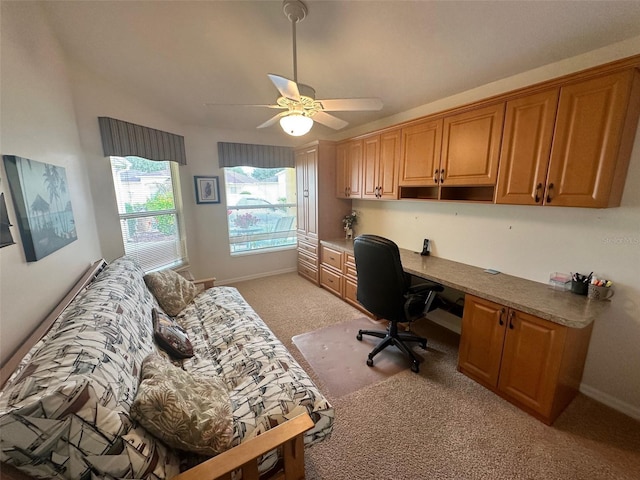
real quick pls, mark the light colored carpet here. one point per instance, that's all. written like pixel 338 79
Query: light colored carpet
pixel 439 424
pixel 340 360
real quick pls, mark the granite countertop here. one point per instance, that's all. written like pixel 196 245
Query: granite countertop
pixel 535 298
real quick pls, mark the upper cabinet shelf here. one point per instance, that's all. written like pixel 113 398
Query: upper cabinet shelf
pixel 565 142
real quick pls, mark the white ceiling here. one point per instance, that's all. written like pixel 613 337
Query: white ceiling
pixel 177 55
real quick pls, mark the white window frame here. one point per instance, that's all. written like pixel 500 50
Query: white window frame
pixel 253 239
pixel 179 260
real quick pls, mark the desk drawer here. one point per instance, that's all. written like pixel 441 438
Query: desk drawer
pixel 309 258
pixel 308 271
pixel 310 248
pixel 331 281
pixel 331 257
pixel 350 266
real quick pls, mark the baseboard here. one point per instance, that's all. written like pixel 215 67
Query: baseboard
pixel 623 407
pixel 253 277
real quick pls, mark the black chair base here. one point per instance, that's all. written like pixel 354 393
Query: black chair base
pixel 392 337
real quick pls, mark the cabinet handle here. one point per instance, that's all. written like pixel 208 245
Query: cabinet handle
pixel 502 312
pixel 511 315
pixel 549 192
pixel 442 176
pixel 435 176
pixel 538 188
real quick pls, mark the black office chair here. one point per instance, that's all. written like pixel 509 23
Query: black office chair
pixel 385 290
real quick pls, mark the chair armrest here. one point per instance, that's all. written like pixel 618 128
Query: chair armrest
pixel 206 283
pixel 424 288
pixel 289 435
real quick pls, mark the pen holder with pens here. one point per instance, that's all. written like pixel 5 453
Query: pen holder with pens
pixel 580 283
pixel 579 288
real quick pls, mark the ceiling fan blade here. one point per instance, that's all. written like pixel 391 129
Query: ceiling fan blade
pixel 243 105
pixel 287 88
pixel 329 120
pixel 350 104
pixel 272 120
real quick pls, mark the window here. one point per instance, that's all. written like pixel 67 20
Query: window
pixel 261 208
pixel 149 208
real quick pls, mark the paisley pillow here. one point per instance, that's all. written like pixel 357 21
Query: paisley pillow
pixel 186 411
pixel 172 290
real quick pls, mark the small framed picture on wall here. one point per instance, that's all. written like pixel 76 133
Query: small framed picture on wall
pixel 207 189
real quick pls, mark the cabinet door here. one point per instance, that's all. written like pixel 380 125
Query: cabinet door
pixel 388 169
pixel 471 146
pixel 531 360
pixel 370 167
pixel 588 132
pixel 342 172
pixel 420 153
pixel 312 192
pixel 302 199
pixel 354 168
pixel 526 146
pixel 483 326
pixel 307 193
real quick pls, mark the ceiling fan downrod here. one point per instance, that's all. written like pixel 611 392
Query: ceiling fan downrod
pixel 295 11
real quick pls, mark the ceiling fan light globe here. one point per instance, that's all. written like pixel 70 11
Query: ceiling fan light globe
pixel 296 125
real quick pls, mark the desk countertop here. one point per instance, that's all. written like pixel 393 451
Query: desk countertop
pixel 536 298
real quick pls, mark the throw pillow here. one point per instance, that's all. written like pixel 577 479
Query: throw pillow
pixel 172 290
pixel 170 336
pixel 186 411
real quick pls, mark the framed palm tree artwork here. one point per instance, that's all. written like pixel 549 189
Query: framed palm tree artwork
pixel 43 206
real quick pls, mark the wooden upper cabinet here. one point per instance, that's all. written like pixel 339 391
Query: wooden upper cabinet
pixel 594 132
pixel 342 175
pixel 380 165
pixel 370 165
pixel 390 148
pixel 526 146
pixel 420 153
pixel 471 147
pixel 349 169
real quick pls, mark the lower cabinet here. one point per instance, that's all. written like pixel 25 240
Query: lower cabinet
pixel 338 274
pixel 308 258
pixel 531 362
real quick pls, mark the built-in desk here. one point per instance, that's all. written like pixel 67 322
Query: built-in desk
pixel 522 339
pixel 535 298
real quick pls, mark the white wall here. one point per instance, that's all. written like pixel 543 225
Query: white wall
pixel 532 242
pixel 38 122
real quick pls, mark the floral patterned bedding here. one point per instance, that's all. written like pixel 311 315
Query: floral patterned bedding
pixel 64 413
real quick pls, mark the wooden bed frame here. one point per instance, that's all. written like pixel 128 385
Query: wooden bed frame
pixel 289 436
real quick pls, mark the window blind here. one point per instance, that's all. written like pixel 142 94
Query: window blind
pixel 258 156
pixel 124 139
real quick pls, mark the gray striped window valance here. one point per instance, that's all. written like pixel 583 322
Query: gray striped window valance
pixel 123 139
pixel 259 156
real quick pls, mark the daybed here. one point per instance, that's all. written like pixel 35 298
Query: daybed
pixel 65 411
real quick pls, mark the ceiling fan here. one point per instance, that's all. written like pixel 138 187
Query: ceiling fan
pixel 298 101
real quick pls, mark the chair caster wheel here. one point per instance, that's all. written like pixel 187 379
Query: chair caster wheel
pixel 415 368
pixel 369 362
pixel 359 336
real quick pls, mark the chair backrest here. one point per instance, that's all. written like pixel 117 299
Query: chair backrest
pixel 382 283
